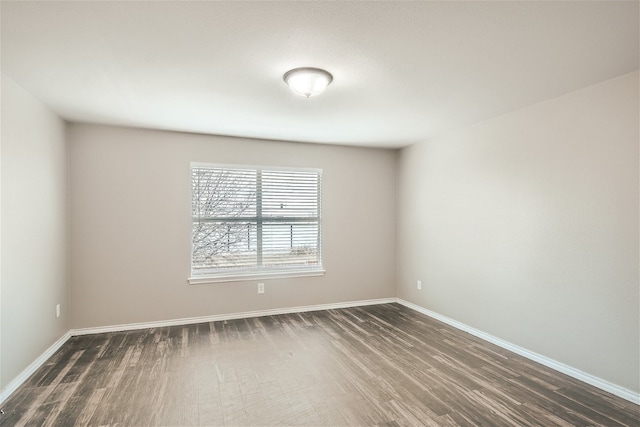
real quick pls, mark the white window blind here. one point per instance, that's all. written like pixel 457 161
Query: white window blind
pixel 252 220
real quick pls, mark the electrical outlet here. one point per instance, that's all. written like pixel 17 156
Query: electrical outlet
pixel 419 285
pixel 58 310
pixel 261 288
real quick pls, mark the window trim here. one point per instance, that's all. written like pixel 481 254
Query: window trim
pixel 264 275
pixel 258 272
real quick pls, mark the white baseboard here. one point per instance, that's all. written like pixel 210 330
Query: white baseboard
pixel 232 316
pixel 607 386
pixel 24 375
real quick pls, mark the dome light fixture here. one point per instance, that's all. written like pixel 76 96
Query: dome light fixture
pixel 307 81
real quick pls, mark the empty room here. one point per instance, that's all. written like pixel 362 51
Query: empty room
pixel 264 213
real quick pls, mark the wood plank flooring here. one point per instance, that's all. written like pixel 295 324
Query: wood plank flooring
pixel 376 365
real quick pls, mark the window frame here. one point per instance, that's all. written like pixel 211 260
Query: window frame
pixel 257 273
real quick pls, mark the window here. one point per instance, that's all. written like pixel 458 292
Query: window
pixel 254 222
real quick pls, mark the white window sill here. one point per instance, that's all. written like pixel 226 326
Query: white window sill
pixel 201 280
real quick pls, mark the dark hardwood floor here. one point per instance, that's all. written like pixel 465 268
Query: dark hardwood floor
pixel 375 365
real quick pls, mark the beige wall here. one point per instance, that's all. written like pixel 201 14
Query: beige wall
pixel 526 227
pixel 34 230
pixel 130 215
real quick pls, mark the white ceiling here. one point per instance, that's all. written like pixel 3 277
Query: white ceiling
pixel 403 72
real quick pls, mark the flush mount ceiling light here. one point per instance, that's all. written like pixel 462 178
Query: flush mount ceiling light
pixel 308 81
